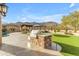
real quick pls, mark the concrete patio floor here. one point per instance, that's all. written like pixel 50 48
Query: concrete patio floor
pixel 16 45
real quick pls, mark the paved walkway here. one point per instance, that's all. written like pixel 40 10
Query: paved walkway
pixel 16 45
pixel 76 34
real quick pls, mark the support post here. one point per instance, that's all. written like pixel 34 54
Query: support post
pixel 0 29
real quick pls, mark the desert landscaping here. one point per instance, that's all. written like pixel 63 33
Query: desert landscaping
pixel 38 35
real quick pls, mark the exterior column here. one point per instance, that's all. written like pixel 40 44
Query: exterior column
pixel 29 42
pixel 0 29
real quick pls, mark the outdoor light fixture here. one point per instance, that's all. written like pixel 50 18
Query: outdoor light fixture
pixel 3 9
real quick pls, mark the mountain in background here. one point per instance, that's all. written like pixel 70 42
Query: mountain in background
pixel 33 23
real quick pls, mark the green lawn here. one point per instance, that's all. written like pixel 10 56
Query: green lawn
pixel 69 43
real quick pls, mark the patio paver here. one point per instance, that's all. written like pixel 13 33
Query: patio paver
pixel 16 45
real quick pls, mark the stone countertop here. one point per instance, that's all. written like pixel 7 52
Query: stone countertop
pixel 45 34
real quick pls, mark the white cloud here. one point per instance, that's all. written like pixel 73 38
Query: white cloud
pixel 71 5
pixel 75 9
pixel 32 18
pixel 28 17
pixel 55 18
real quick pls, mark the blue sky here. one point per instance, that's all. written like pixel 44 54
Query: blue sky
pixel 38 12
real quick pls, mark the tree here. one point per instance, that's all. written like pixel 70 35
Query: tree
pixel 58 28
pixel 71 20
pixel 66 22
pixel 75 20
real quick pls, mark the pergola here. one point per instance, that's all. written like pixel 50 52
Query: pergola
pixel 26 27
